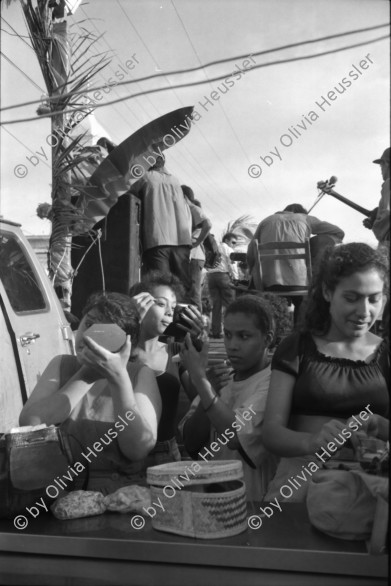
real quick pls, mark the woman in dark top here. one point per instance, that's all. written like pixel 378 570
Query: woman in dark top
pixel 156 299
pixel 330 371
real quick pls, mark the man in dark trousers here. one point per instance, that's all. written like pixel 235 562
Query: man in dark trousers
pixel 201 226
pixel 165 223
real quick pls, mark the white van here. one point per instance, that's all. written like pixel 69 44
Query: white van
pixel 33 327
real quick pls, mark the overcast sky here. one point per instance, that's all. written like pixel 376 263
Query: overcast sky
pixel 268 112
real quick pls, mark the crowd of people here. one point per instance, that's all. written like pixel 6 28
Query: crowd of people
pixel 292 401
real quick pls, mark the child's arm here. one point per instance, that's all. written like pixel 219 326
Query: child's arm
pixel 218 413
pixel 218 375
pixel 50 404
pixel 187 385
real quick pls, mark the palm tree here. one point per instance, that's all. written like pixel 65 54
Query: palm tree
pixel 66 68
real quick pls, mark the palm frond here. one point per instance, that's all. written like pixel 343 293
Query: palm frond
pixel 68 220
pixel 67 66
pixel 39 28
pixel 247 232
pixel 62 151
pixel 245 220
pixel 244 227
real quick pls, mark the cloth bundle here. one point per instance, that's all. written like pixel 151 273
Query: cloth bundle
pixel 343 503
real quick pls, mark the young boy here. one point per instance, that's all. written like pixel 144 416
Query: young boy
pixel 229 426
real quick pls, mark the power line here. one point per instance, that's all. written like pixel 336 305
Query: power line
pixel 111 49
pixel 25 146
pixel 142 107
pixel 122 117
pixel 22 37
pixel 112 89
pixel 191 84
pixel 14 34
pixel 146 113
pixel 21 71
pixel 221 106
pixel 206 77
pixel 265 52
pixel 215 187
pixel 238 57
pixel 175 93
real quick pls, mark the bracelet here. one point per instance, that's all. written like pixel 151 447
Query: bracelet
pixel 213 401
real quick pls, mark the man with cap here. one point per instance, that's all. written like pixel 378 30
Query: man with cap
pixel 379 221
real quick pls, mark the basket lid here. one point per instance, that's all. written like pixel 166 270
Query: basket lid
pixel 195 472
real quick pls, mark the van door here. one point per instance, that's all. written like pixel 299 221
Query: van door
pixel 34 317
pixel 13 388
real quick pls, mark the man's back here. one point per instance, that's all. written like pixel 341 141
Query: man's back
pixel 283 227
pixel 166 214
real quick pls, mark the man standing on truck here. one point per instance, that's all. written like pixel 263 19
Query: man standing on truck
pixel 165 223
pixel 379 222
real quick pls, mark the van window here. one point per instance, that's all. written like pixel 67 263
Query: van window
pixel 18 276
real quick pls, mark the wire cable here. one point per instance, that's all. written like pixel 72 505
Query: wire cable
pixel 126 123
pixel 257 54
pixel 215 187
pixel 121 116
pixel 148 116
pixel 21 71
pixel 206 77
pixel 221 106
pixel 190 84
pixel 25 146
pixel 22 37
pixel 111 49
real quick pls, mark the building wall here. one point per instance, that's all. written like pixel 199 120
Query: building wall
pixel 40 245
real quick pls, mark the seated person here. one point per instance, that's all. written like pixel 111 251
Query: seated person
pixel 293 224
pixel 156 300
pixel 90 394
pixel 331 370
pixel 233 419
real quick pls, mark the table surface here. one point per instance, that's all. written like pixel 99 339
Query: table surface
pixel 287 535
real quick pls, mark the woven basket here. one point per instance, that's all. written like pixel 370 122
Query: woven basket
pixel 192 510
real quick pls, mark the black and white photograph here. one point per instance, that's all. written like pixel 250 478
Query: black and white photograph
pixel 194 292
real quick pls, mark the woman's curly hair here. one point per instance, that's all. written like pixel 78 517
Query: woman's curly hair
pixel 154 279
pixel 335 264
pixel 117 308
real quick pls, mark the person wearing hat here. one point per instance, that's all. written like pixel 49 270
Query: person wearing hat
pixel 379 221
